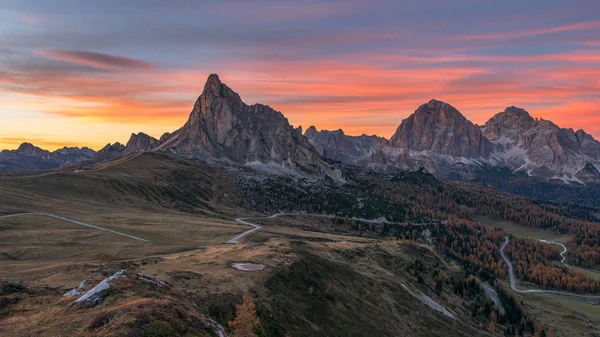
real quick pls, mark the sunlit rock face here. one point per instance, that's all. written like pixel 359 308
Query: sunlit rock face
pixel 222 125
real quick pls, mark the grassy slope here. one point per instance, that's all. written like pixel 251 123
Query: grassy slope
pixel 355 292
pixel 175 203
pixel 522 231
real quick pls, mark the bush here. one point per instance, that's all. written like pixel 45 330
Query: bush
pixel 158 329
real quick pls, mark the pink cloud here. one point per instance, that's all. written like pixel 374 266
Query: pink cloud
pixel 96 60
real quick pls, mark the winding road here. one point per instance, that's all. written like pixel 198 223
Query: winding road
pixel 562 254
pixel 256 227
pixel 73 222
pixel 525 291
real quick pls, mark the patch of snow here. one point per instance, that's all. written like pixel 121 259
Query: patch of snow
pixel 567 180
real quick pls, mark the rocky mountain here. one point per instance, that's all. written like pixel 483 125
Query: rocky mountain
pixel 31 157
pixel 436 137
pixel 540 148
pixel 337 145
pixel 140 142
pixel 221 125
pixel 110 151
pixel 437 127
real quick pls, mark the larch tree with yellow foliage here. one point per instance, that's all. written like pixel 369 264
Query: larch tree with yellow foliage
pixel 246 320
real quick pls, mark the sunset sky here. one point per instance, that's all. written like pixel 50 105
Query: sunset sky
pixel 91 72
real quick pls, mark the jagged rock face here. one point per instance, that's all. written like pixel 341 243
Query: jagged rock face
pixel 140 142
pixel 439 128
pixel 541 148
pixel 30 157
pixel 221 125
pixel 110 151
pixel 339 146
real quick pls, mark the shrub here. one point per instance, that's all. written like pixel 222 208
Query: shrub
pixel 158 329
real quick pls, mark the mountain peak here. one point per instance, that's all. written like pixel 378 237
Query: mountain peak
pixel 516 111
pixel 311 131
pixel 434 101
pixel 140 142
pixel 213 85
pixel 438 112
pixel 511 116
pixel 223 126
pixel 438 127
pixel 24 147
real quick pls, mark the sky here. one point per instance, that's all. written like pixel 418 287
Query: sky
pixel 86 73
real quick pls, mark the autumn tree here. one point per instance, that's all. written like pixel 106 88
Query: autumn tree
pixel 492 327
pixel 246 320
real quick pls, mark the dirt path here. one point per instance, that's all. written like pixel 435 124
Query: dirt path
pixel 256 227
pixel 74 222
pixel 562 254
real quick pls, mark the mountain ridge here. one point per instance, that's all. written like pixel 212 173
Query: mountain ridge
pixel 436 136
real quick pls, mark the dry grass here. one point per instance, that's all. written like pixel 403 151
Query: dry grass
pixel 524 232
pixel 35 246
pixel 128 309
pixel 174 203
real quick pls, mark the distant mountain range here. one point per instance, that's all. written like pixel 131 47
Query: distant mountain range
pixel 436 137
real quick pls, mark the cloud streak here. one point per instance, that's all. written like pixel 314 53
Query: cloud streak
pixel 96 60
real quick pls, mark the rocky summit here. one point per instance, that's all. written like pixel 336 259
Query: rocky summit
pixel 223 126
pixel 439 128
pixel 539 147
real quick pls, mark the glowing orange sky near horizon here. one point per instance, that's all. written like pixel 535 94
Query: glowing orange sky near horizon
pixel 359 98
pixel 70 79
